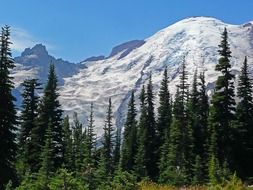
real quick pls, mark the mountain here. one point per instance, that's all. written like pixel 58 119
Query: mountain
pixel 194 40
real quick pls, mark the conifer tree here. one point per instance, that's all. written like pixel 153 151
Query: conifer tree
pixel 198 111
pixel 8 119
pixel 141 155
pixel 174 171
pixel 108 140
pixel 197 115
pixel 47 159
pixel 49 109
pixel 163 162
pixel 243 142
pixel 129 146
pixel 214 169
pixel 151 147
pixel 116 150
pixel 203 117
pixel 223 103
pixel 78 143
pixel 180 158
pixel 67 144
pixel 90 138
pixel 28 119
pixel 164 111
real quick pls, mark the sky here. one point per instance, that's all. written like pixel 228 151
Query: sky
pixel 77 29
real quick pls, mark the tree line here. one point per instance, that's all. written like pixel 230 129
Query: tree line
pixel 192 140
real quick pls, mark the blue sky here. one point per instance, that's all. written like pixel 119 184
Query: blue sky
pixel 77 29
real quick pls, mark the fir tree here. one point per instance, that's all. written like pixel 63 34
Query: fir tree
pixel 197 116
pixel 151 146
pixel 222 112
pixel 67 144
pixel 214 170
pixel 108 140
pixel 49 109
pixel 203 118
pixel 8 119
pixel 90 138
pixel 47 163
pixel 129 145
pixel 116 150
pixel 180 158
pixel 175 168
pixel 28 119
pixel 78 143
pixel 243 132
pixel 141 155
pixel 164 112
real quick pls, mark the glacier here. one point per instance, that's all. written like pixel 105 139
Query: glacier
pixel 194 40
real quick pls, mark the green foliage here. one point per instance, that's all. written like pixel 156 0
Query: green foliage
pixel 28 119
pixel 108 141
pixel 8 119
pixel 78 143
pixel 242 128
pixel 198 175
pixel 49 110
pixel 63 180
pixel 164 111
pixel 9 186
pixel 67 144
pixel 90 140
pixel 223 103
pixel 124 181
pixel 116 150
pixel 141 155
pixel 151 145
pixel 129 145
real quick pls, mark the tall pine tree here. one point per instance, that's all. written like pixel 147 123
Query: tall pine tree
pixel 28 119
pixel 8 119
pixel 164 111
pixel 67 144
pixel 243 141
pixel 78 143
pixel 223 104
pixel 151 147
pixel 129 146
pixel 108 141
pixel 90 137
pixel 141 153
pixel 50 110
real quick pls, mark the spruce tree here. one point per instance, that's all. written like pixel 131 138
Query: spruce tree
pixel 164 112
pixel 28 119
pixel 108 140
pixel 78 143
pixel 213 165
pixel 180 158
pixel 49 109
pixel 243 128
pixel 151 147
pixel 67 144
pixel 203 117
pixel 197 116
pixel 8 119
pixel 129 145
pixel 116 151
pixel 223 103
pixel 47 159
pixel 141 154
pixel 174 170
pixel 91 137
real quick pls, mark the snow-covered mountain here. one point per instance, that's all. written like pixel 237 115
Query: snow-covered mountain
pixel 193 40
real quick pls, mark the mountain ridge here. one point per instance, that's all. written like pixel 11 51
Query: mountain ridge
pixel 194 40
